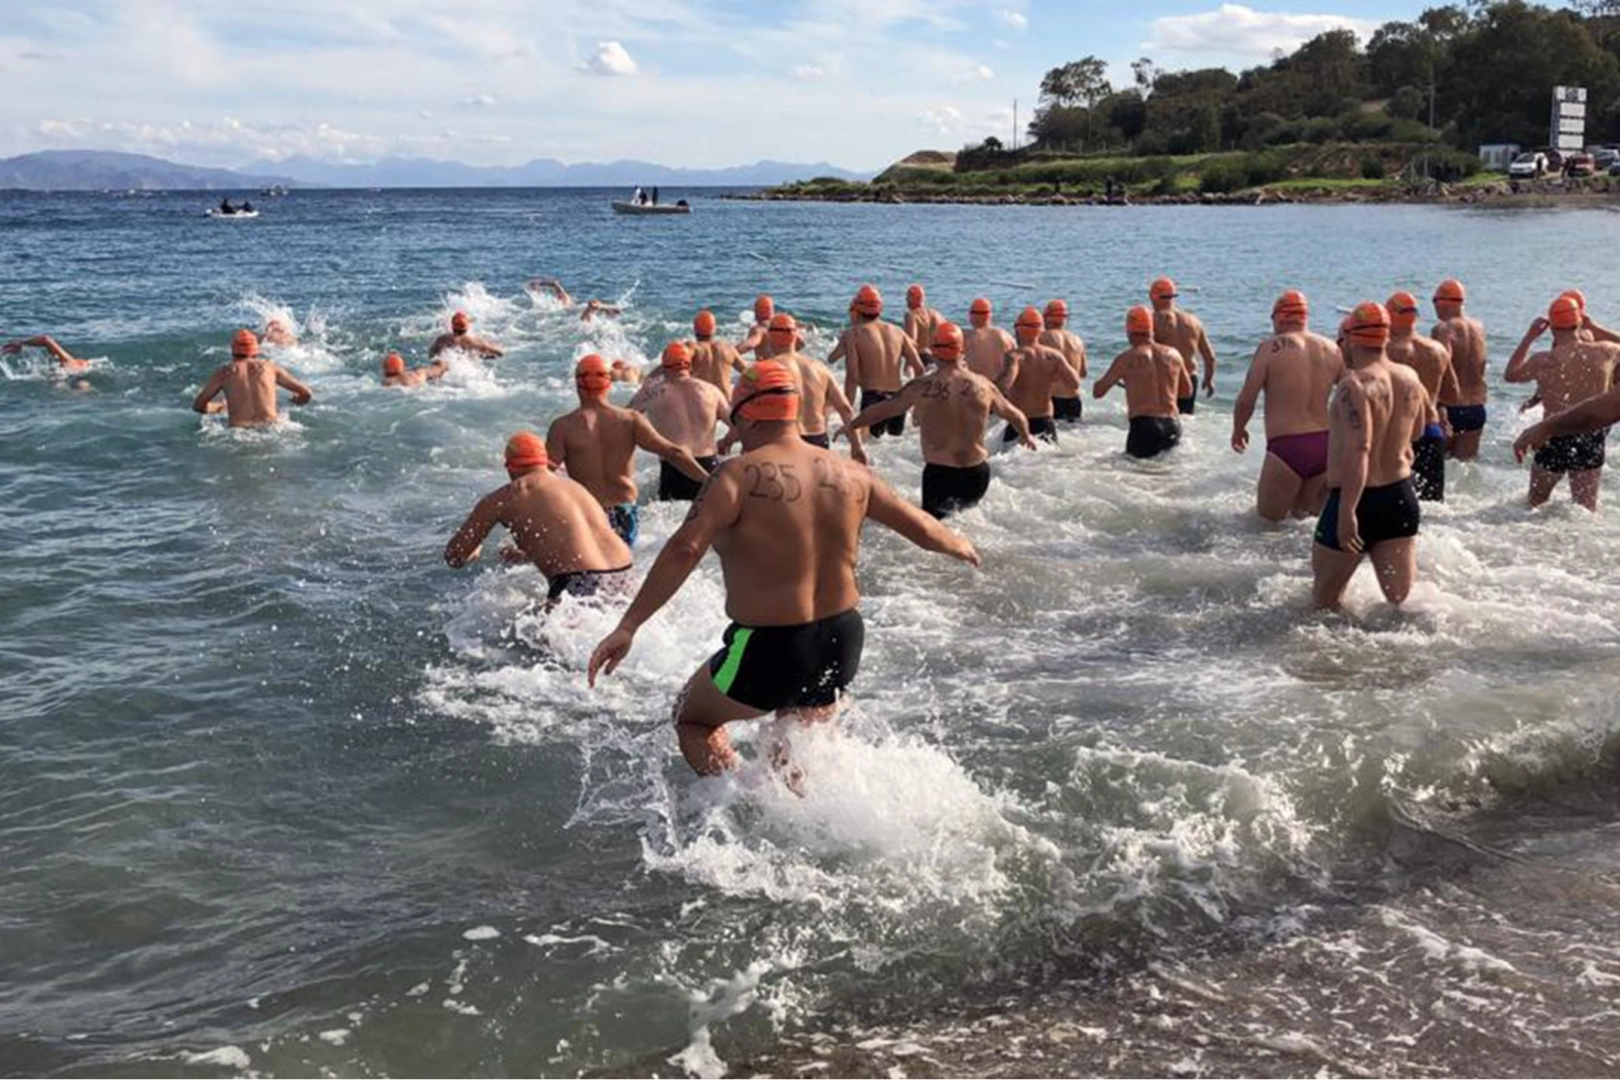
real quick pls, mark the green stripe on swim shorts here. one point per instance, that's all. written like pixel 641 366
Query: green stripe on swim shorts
pixel 728 670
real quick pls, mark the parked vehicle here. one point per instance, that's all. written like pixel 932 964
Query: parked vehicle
pixel 1614 170
pixel 1579 164
pixel 1555 157
pixel 1528 165
pixel 1603 157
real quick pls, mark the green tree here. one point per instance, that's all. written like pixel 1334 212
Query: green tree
pixel 1078 81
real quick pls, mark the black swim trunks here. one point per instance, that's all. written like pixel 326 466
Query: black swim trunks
pixel 1390 512
pixel 676 486
pixel 1152 435
pixel 1429 465
pixel 786 667
pixel 819 439
pixel 1572 453
pixel 1186 406
pixel 583 583
pixel 1465 417
pixel 1040 427
pixel 894 425
pixel 1066 409
pixel 947 489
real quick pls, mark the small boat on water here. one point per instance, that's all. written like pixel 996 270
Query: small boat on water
pixel 232 216
pixel 680 207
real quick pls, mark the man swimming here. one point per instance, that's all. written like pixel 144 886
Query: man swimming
pixel 1155 376
pixel 785 518
pixel 1372 508
pixel 713 359
pixel 818 392
pixel 279 334
pixel 249 384
pixel 395 372
pixel 65 361
pixel 875 351
pixel 1182 331
pixel 597 443
pixel 460 338
pixel 1465 338
pixel 1572 371
pixel 683 410
pixel 553 286
pixel 1031 376
pixel 554 523
pixel 1295 370
pixel 951 405
pixel 1432 362
pixel 1056 335
pixel 986 345
pixel 921 320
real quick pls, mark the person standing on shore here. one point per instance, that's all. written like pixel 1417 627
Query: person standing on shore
pixel 1465 338
pixel 875 351
pixel 921 321
pixel 1031 375
pixel 713 359
pixel 249 384
pixel 1065 410
pixel 597 444
pixel 461 338
pixel 987 344
pixel 1155 376
pixel 1184 332
pixel 786 519
pixel 818 393
pixel 1295 370
pixel 1372 506
pixel 1572 371
pixel 1432 362
pixel 683 410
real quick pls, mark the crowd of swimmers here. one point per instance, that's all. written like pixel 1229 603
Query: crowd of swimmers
pixel 1358 431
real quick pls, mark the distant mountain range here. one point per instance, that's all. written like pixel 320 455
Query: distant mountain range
pixel 98 170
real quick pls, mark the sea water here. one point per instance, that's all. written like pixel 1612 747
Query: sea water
pixel 281 794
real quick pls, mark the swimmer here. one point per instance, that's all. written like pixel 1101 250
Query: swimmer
pixel 876 350
pixel 597 443
pixel 554 524
pixel 1432 362
pixel 626 372
pixel 1372 508
pixel 593 308
pixel 65 361
pixel 1590 328
pixel 818 394
pixel 1465 338
pixel 921 320
pixel 279 334
pixel 460 338
pixel 951 405
pixel 1295 370
pixel 1182 331
pixel 785 518
pixel 1065 409
pixel 987 345
pixel 1572 371
pixel 1155 378
pixel 1033 374
pixel 683 410
pixel 758 340
pixel 550 285
pixel 395 373
pixel 713 359
pixel 249 385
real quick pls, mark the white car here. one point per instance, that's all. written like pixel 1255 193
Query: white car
pixel 1528 165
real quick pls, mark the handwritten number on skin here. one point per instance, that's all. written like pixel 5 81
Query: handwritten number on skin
pixel 775 482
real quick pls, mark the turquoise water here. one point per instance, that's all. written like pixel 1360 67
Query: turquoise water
pixel 281 793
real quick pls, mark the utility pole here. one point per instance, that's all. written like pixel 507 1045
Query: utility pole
pixel 1015 124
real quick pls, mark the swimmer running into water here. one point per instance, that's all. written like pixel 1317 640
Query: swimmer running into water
pixel 1033 376
pixel 249 384
pixel 554 523
pixel 1465 338
pixel 1432 362
pixel 461 338
pixel 1182 331
pixel 985 344
pixel 818 393
pixel 683 410
pixel 1295 370
pixel 713 359
pixel 785 518
pixel 758 339
pixel 1155 376
pixel 875 351
pixel 1056 335
pixel 921 320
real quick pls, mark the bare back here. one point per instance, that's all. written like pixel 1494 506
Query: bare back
pixel 1568 375
pixel 814 383
pixel 559 525
pixel 983 349
pixel 713 361
pixel 1180 330
pixel 1069 346
pixel 597 445
pixel 1154 376
pixel 1297 371
pixel 1381 407
pixel 951 406
pixel 683 409
pixel 1040 370
pixel 1465 338
pixel 920 326
pixel 789 556
pixel 874 350
pixel 1425 356
pixel 250 392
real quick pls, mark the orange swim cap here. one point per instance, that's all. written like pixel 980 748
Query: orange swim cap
pixel 1057 312
pixel 783 327
pixel 1029 323
pixel 675 357
pixel 915 296
pixel 979 312
pixel 1403 310
pixel 244 344
pixel 592 373
pixel 1291 304
pixel 947 341
pixel 1368 325
pixel 1577 296
pixel 703 324
pixel 1564 314
pixel 1451 289
pixel 393 364
pixel 459 321
pixel 1139 321
pixel 525 451
pixel 868 301
pixel 1162 289
pixel 763 307
pixel 766 391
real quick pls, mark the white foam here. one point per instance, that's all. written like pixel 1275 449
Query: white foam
pixel 229 1057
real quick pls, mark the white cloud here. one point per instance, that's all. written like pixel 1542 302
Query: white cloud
pixel 612 59
pixel 477 101
pixel 942 120
pixel 1015 19
pixel 1234 30
pixel 809 71
pixel 979 73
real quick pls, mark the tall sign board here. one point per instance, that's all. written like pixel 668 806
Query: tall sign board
pixel 1568 118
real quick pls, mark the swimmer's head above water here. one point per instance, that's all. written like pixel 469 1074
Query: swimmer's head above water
pixel 244 345
pixel 393 364
pixel 525 452
pixel 459 322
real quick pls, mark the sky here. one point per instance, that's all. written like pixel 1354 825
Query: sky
pixel 700 83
